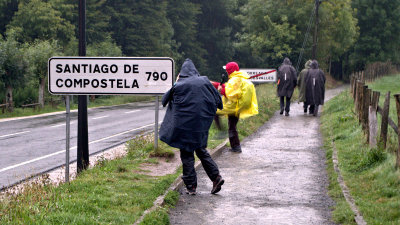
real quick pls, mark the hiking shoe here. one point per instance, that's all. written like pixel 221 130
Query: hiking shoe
pixel 237 149
pixel 281 112
pixel 286 113
pixel 217 183
pixel 191 190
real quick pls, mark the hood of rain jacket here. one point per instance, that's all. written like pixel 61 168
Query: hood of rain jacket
pixel 287 79
pixel 192 104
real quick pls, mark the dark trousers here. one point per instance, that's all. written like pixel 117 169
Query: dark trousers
pixel 314 109
pixel 217 122
pixel 189 173
pixel 305 106
pixel 287 107
pixel 233 134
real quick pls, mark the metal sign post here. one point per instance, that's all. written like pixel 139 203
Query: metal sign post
pixel 67 139
pixel 83 137
pixel 156 124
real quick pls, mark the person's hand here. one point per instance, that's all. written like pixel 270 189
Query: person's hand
pixel 219 88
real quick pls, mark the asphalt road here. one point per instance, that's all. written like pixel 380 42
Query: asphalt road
pixel 34 145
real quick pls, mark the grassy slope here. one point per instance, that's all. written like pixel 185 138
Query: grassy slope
pixel 369 173
pixel 114 192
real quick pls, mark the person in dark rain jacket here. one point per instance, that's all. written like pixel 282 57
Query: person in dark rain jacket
pixel 192 105
pixel 315 87
pixel 302 86
pixel 287 80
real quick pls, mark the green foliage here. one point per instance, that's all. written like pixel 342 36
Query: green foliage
pixel 273 30
pixel 106 48
pixel 140 147
pixel 183 17
pixel 159 216
pixel 141 27
pixel 12 64
pixel 171 198
pixel 379 32
pixel 7 10
pixel 215 26
pixel 38 54
pixel 36 19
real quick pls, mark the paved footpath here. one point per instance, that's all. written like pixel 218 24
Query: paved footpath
pixel 279 178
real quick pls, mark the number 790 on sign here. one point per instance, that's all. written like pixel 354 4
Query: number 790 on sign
pixel 156 76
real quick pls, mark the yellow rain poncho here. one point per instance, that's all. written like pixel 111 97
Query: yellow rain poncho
pixel 240 96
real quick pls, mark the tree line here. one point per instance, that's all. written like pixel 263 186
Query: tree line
pixel 255 33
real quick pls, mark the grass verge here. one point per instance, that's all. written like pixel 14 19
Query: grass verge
pixel 368 172
pixel 117 191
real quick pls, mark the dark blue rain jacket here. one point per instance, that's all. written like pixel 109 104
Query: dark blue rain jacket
pixel 192 104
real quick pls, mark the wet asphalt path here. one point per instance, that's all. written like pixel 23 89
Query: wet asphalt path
pixel 34 145
pixel 280 178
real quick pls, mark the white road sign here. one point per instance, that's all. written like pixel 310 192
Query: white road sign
pixel 261 75
pixel 110 75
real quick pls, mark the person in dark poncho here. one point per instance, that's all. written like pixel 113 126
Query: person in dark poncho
pixel 302 86
pixel 315 87
pixel 192 105
pixel 287 80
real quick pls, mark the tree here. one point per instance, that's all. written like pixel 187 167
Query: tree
pixel 141 28
pixel 7 10
pixel 216 29
pixel 37 19
pixel 379 32
pixel 276 29
pixel 267 35
pixel 105 48
pixel 37 56
pixel 183 15
pixel 12 66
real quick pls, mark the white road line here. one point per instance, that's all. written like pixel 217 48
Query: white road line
pixel 8 135
pixel 101 117
pixel 132 111
pixel 59 125
pixel 62 151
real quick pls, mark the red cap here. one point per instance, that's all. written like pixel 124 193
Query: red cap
pixel 231 67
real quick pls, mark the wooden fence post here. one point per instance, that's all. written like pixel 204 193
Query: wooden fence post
pixel 385 119
pixel 362 76
pixel 367 100
pixel 373 123
pixel 351 84
pixel 357 95
pixel 397 97
pixel 359 99
pixel 355 89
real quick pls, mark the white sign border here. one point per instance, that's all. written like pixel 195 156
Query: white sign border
pixel 106 58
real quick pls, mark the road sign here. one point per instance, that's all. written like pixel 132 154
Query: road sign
pixel 110 75
pixel 261 75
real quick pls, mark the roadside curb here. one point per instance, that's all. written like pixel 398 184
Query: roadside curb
pixel 178 183
pixel 345 190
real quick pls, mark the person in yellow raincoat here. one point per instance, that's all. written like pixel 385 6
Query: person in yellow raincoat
pixel 239 100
